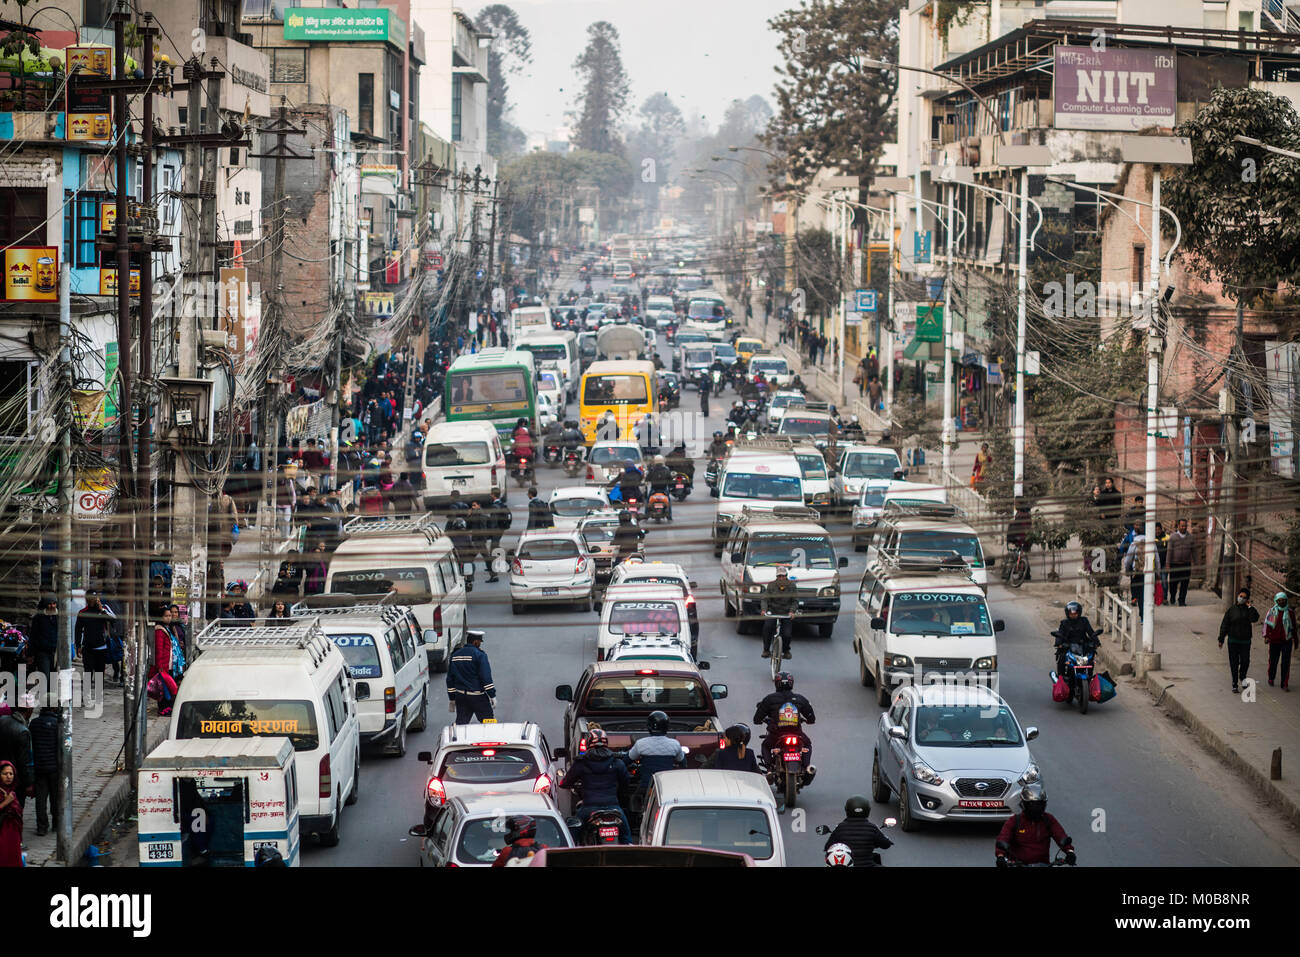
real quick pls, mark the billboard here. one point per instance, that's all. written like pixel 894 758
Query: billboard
pixel 336 24
pixel 1114 89
pixel 32 273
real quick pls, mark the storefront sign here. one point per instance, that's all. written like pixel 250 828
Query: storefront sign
pixel 90 112
pixel 1117 88
pixel 335 25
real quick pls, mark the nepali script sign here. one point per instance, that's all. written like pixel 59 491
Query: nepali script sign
pixel 1114 89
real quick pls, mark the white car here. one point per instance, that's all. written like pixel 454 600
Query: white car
pixel 640 610
pixel 551 384
pixel 781 401
pixel 608 458
pixel 546 411
pixel 860 463
pixel 661 573
pixel 653 648
pixel 572 503
pixel 866 513
pixel 551 566
pixel 474 759
pixel 774 368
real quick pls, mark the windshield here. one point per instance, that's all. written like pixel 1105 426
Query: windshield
pixel 949 726
pixel 482 838
pixel 782 401
pixel 697 355
pixel 724 350
pixel 798 551
pixel 451 454
pixel 548 353
pixel 644 618
pixel 479 388
pixel 614 390
pixel 405 581
pixel 605 454
pixel 779 366
pixel 872 497
pixel 792 424
pixel 782 488
pixel 494 765
pixel 598 532
pixel 939 613
pixel 646 693
pixel 295 720
pixel 548 550
pixel 742 830
pixel 812 466
pixel 576 507
pixel 360 653
pixel 937 544
pixel 870 465
pixel 685 337
pixel 705 309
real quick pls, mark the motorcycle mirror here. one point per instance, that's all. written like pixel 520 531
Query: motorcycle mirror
pixel 425 756
pixel 416 830
pixel 823 829
pixel 999 625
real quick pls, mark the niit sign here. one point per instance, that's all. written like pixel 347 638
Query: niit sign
pixel 1114 89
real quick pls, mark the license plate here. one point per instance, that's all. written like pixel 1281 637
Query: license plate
pixel 550 591
pixel 608 832
pixel 162 852
pixel 790 756
pixel 983 804
pixel 459 481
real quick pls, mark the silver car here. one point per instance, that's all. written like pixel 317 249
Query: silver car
pixel 951 752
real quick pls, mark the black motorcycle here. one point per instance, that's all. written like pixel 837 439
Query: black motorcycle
pixel 681 486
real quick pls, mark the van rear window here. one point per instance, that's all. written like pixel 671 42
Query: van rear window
pixel 451 454
pixel 361 654
pixel 495 765
pixel 265 717
pixel 645 618
pixel 741 830
pixel 405 581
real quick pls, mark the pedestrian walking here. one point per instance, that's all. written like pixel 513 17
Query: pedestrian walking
pixel 1162 552
pixel 46 760
pixel 470 691
pixel 481 531
pixel 90 634
pixel 499 522
pixel 1281 637
pixel 43 638
pixel 704 399
pixel 317 570
pixel 1135 559
pixel 11 817
pixel 873 393
pixel 1179 553
pixel 979 473
pixel 16 744
pixel 160 683
pixel 539 513
pixel 1237 628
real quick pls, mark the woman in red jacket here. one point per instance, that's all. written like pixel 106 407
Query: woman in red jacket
pixel 162 663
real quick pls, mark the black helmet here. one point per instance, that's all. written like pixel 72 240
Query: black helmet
pixel 857 806
pixel 1033 801
pixel 520 826
pixel 738 734
pixel 657 723
pixel 784 681
pixel 1073 608
pixel 717 433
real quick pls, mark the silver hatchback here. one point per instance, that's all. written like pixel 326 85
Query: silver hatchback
pixel 951 752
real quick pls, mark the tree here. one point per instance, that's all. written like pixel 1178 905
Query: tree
pixel 653 147
pixel 1239 205
pixel 511 49
pixel 817 264
pixel 831 110
pixel 604 90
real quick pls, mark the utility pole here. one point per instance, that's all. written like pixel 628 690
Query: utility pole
pixel 63 660
pixel 1228 566
pixel 1022 279
pixel 949 439
pixel 889 319
pixel 1155 342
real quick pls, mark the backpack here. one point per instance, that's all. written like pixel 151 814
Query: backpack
pixel 178 658
pixel 1139 558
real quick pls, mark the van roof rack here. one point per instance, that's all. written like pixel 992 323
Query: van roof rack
pixel 919 508
pixel 814 406
pixel 775 443
pixel 949 564
pixel 364 525
pixel 341 605
pixel 302 633
pixel 780 513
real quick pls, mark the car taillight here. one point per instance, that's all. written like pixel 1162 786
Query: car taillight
pixel 690 600
pixel 494 475
pixel 591 474
pixel 437 620
pixel 542 785
pixel 435 792
pixel 581 566
pixel 326 780
pixel 517 567
pixel 390 700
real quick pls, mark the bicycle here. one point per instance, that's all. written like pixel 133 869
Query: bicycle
pixel 1015 566
pixel 777 646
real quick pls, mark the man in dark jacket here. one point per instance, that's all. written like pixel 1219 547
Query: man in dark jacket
pixel 770 713
pixel 499 521
pixel 482 528
pixel 404 497
pixel 598 775
pixel 16 745
pixel 539 513
pixel 857 832
pixel 45 766
pixel 1074 629
pixel 778 606
pixel 736 756
pixel 1027 837
pixel 44 642
pixel 1179 552
pixel 469 681
pixel 91 633
pixel 1236 627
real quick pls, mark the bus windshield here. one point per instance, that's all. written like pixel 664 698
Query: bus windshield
pixel 615 390
pixel 505 385
pixel 545 353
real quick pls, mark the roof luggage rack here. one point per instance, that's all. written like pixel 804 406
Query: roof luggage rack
pixel 919 508
pixel 812 406
pixel 386 607
pixel 949 564
pixel 363 525
pixel 771 442
pixel 302 633
pixel 788 513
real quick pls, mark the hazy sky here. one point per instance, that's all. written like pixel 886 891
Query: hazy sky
pixel 705 53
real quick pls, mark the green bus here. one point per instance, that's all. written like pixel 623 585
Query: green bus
pixel 492 385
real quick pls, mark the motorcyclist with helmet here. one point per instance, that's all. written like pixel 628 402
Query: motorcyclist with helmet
pixel 737 755
pixel 658 751
pixel 771 712
pixel 857 832
pixel 1026 838
pixel 598 774
pixel 627 536
pixel 660 479
pixel 571 437
pixel 521 840
pixel 1074 629
pixel 522 442
pixel 718 447
pixel 679 460
pixel 738 415
pixel 553 435
pixel 629 482
pixel 853 430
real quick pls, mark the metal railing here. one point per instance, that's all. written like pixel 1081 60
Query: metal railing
pixel 975 505
pixel 1118 617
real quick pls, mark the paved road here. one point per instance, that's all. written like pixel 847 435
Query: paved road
pixel 1127 784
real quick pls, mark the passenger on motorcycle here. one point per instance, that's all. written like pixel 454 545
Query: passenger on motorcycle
pixel 571 437
pixel 857 832
pixel 521 841
pixel 738 415
pixel 598 774
pixel 660 476
pixel 737 755
pixel 660 751
pixel 779 719
pixel 1026 838
pixel 522 442
pixel 1075 629
pixel 629 482
pixel 679 461
pixel 717 448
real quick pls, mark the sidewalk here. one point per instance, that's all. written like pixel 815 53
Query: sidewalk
pixel 100 788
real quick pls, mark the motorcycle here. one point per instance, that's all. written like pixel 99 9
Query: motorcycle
pixel 523 469
pixel 839 855
pixel 711 472
pixel 572 462
pixel 1080 665
pixel 601 828
pixel 551 454
pixel 681 487
pixel 717 382
pixel 788 763
pixel 658 507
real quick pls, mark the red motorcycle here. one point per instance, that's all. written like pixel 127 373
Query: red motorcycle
pixel 659 508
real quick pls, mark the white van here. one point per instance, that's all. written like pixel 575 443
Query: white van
pixel 903 493
pixel 282 680
pixel 414 559
pixel 384 649
pixel 720 810
pixel 919 618
pixel 528 317
pixel 554 349
pixel 755 477
pixel 639 609
pixel 463 456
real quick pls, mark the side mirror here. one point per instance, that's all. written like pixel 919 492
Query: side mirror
pixel 738 557
pixel 694 584
pixel 425 756
pixel 362 691
pixel 844 562
pixel 878 624
pixel 467 569
pixel 702 665
pixel 898 731
pixel 889 822
pixel 564 692
pixel 573 823
pixel 900 474
pixel 718 691
pixel 416 830
pixel 560 753
pixel 1031 733
pixel 823 829
pixel 714 493
pixel 431 636
pixel 999 624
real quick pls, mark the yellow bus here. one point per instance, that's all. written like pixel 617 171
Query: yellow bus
pixel 746 346
pixel 627 388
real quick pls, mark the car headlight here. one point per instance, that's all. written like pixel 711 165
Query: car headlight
pixel 898 661
pixel 821 498
pixel 724 519
pixel 830 591
pixel 989 663
pixel 754 589
pixel 1030 776
pixel 925 774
